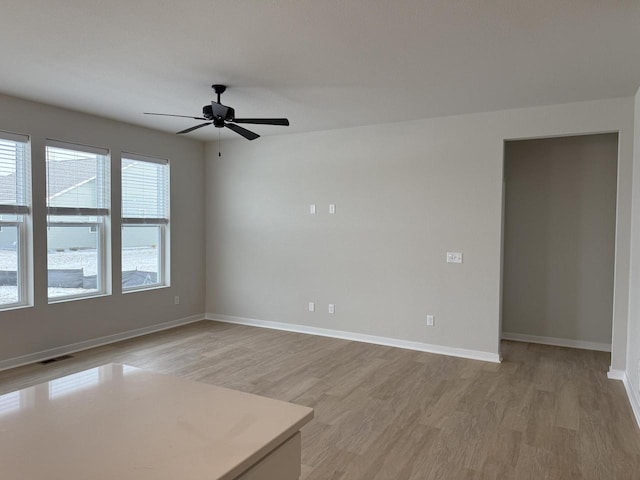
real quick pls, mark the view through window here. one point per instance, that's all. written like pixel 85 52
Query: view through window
pixel 15 199
pixel 145 219
pixel 77 210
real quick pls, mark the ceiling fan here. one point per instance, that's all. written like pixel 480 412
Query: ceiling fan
pixel 220 115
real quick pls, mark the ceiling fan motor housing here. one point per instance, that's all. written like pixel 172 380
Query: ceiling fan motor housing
pixel 231 114
pixel 217 110
pixel 221 111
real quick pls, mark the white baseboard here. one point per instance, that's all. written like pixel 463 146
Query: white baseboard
pixel 634 398
pixel 359 337
pixel 558 342
pixel 614 374
pixel 96 342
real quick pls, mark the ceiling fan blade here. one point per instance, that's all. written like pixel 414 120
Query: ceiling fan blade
pixel 194 128
pixel 170 115
pixel 248 134
pixel 263 121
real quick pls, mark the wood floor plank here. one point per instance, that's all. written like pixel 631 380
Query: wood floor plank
pixel 386 413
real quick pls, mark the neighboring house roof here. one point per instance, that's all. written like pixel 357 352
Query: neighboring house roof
pixel 8 189
pixel 67 175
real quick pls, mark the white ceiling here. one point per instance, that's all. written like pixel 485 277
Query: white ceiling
pixel 323 63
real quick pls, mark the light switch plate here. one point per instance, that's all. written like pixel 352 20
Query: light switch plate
pixel 312 209
pixel 454 257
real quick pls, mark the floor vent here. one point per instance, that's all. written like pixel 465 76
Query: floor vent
pixel 57 359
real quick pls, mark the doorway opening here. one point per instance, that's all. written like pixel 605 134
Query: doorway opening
pixel 559 220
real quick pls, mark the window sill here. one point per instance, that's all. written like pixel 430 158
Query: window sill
pixel 11 307
pixel 144 289
pixel 77 297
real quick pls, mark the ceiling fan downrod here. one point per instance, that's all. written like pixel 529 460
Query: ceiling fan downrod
pixel 219 89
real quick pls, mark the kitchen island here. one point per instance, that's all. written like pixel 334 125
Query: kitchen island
pixel 121 422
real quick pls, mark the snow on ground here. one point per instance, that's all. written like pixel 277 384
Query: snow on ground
pixel 145 259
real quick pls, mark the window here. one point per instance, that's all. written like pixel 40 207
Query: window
pixel 145 222
pixel 77 203
pixel 15 201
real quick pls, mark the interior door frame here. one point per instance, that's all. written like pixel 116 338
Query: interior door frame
pixel 616 235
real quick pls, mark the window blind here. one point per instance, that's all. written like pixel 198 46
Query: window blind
pixel 77 181
pixel 145 191
pixel 15 193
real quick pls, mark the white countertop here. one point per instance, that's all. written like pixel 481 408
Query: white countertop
pixel 118 422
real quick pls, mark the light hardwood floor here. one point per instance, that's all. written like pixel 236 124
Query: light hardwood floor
pixel 384 413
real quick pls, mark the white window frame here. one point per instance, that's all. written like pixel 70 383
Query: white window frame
pixel 103 284
pixel 24 276
pixel 163 278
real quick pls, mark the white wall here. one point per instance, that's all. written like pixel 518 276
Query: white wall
pixel 559 238
pixel 633 352
pixel 405 194
pixel 44 327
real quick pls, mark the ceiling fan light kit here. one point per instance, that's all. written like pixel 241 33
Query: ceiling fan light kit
pixel 221 116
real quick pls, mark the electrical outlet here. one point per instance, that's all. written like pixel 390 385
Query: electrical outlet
pixel 176 300
pixel 430 321
pixel 332 208
pixel 312 307
pixel 332 308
